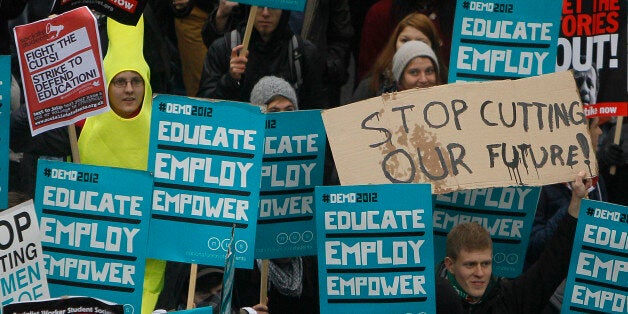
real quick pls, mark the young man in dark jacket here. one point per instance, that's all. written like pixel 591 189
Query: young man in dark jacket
pixel 468 266
pixel 230 76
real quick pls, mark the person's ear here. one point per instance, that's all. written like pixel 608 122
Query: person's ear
pixel 449 264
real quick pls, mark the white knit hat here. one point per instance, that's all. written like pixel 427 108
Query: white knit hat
pixel 407 52
pixel 270 86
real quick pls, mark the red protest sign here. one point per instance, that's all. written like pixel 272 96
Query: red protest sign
pixel 62 70
pixel 124 11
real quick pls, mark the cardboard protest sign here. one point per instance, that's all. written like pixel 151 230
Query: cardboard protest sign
pixel 376 251
pixel 124 11
pixel 293 164
pixel 593 43
pixel 505 39
pixel 94 228
pixel 507 214
pixel 79 305
pixel 22 273
pixel 5 118
pixel 530 131
pixel 598 271
pixel 206 158
pixel 62 70
pixel 292 5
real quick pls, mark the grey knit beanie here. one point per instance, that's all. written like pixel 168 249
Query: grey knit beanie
pixel 409 51
pixel 270 86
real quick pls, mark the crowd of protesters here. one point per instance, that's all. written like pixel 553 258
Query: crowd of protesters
pixel 333 53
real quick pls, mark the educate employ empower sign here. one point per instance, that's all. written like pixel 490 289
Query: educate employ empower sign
pixel 5 114
pixel 506 213
pixel 293 164
pixel 94 229
pixel 530 131
pixel 376 251
pixel 505 39
pixel 206 157
pixel 598 269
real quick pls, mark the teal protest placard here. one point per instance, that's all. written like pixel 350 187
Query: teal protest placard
pixel 507 214
pixel 292 5
pixel 504 40
pixel 598 270
pixel 226 293
pixel 206 158
pixel 294 157
pixel 5 115
pixel 199 310
pixel 376 251
pixel 94 227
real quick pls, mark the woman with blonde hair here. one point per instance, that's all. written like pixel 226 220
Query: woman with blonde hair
pixel 415 26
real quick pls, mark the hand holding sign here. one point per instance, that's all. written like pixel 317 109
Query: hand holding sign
pixel 579 189
pixel 237 64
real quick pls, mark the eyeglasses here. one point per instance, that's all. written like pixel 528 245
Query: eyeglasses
pixel 121 82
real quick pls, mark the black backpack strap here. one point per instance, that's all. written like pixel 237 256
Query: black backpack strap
pixel 295 60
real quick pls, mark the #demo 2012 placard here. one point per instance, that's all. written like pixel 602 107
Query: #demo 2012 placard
pixel 206 158
pixel 598 269
pixel 94 228
pixel 504 40
pixel 5 115
pixel 293 5
pixel 507 213
pixel 294 160
pixel 376 250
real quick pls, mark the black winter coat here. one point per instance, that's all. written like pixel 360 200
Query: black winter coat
pixel 264 58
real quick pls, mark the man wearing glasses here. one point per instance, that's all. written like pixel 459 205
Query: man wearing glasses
pixel 126 94
pixel 119 138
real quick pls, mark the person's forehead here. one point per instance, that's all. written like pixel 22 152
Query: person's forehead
pixel 260 9
pixel 475 255
pixel 411 30
pixel 421 61
pixel 127 74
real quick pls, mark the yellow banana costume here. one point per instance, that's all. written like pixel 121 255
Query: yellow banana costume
pixel 110 140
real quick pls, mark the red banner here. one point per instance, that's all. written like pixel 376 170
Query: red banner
pixel 606 109
pixel 62 69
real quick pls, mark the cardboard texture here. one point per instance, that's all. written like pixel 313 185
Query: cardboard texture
pixel 530 131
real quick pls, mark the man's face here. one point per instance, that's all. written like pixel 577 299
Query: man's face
pixel 587 85
pixel 126 93
pixel 266 21
pixel 472 270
